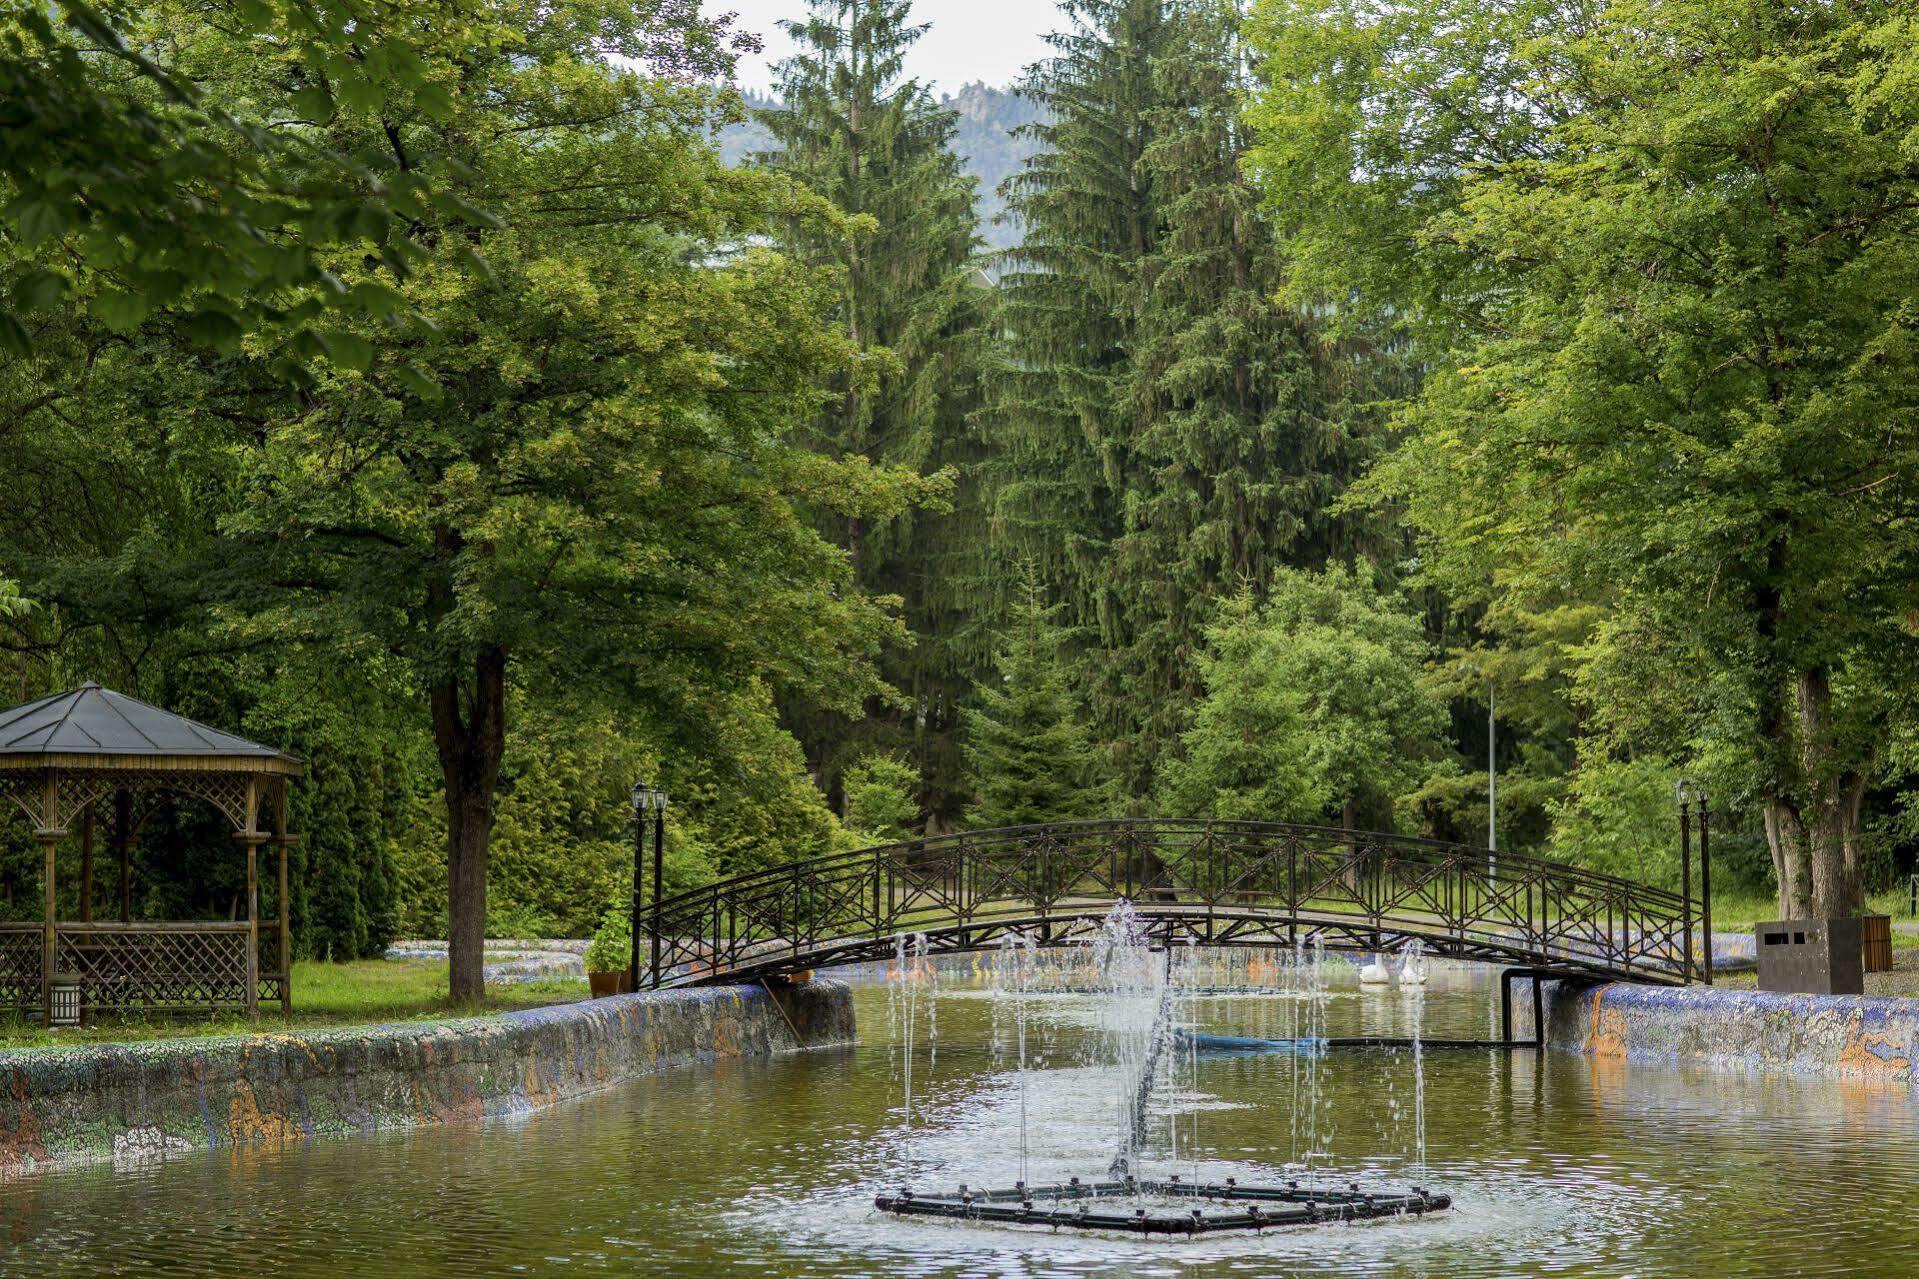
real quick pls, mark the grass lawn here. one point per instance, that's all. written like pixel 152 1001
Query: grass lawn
pixel 1738 912
pixel 324 994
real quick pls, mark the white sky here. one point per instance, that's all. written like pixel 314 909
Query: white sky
pixel 990 40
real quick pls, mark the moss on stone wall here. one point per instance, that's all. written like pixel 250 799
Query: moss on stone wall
pixel 66 1104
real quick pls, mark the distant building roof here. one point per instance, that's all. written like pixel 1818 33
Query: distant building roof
pixel 89 723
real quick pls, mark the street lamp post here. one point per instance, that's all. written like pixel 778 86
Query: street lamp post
pixel 648 801
pixel 1687 794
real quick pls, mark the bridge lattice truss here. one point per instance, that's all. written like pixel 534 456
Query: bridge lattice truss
pixel 1211 882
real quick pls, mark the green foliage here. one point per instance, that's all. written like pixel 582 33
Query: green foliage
pixel 1664 270
pixel 1620 818
pixel 562 839
pixel 743 799
pixel 1248 755
pixel 851 129
pixel 611 949
pixel 1316 706
pixel 1029 757
pixel 367 793
pixel 132 189
pixel 1162 429
pixel 528 495
pixel 882 799
pixel 1357 656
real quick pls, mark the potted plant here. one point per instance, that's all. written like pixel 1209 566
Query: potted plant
pixel 610 953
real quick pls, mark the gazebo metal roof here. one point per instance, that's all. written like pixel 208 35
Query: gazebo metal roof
pixel 94 727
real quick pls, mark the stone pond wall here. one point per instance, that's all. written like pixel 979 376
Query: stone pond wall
pixel 68 1104
pixel 1842 1036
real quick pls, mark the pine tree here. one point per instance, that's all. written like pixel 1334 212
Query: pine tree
pixel 1028 751
pixel 852 129
pixel 1067 318
pixel 1165 431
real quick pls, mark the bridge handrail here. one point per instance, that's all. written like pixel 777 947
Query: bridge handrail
pixel 1213 880
pixel 1014 834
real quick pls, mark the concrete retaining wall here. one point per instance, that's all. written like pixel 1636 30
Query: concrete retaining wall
pixel 1848 1036
pixel 131 1100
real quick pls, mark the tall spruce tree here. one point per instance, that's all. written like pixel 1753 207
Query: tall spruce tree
pixel 1164 430
pixel 854 129
pixel 1028 753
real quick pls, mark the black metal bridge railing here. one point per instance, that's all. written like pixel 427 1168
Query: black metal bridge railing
pixel 1211 882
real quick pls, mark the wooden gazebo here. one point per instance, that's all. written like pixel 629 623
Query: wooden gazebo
pixel 92 754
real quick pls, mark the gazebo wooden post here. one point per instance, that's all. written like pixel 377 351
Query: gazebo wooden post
pixel 250 836
pixel 123 836
pixel 280 840
pixel 49 836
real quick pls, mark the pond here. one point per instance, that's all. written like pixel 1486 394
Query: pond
pixel 1557 1164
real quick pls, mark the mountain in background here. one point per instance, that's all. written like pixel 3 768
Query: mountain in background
pixel 984 139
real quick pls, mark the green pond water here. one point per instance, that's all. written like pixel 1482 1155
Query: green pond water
pixel 1557 1165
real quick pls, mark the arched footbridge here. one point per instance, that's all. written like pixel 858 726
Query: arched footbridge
pixel 1215 883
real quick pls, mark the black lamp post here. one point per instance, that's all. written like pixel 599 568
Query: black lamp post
pixel 1687 793
pixel 648 802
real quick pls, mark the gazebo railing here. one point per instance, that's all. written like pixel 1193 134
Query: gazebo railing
pixel 171 967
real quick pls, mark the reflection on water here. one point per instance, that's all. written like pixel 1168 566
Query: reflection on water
pixel 1558 1166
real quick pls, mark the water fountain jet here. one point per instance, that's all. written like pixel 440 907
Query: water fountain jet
pixel 1135 975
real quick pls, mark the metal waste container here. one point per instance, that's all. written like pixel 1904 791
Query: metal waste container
pixel 1811 957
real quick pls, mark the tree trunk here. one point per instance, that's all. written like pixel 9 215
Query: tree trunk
pixel 469 729
pixel 1786 840
pixel 1811 796
pixel 1814 834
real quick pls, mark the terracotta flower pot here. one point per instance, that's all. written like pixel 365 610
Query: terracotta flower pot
pixel 617 982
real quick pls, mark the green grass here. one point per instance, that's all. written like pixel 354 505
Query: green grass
pixel 1738 912
pixel 324 994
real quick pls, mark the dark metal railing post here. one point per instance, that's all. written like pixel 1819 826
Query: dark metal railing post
pixel 1532 929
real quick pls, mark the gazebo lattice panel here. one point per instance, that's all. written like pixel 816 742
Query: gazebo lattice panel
pixel 21 950
pixel 123 967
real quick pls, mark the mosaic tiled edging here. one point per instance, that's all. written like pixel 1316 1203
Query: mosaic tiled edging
pixel 145 1099
pixel 1842 1036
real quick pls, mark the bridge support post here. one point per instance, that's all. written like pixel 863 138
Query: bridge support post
pixel 1506 1006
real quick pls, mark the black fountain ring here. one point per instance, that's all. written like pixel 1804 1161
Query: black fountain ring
pixel 1228 1205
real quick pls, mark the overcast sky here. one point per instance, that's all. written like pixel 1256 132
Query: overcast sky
pixel 990 40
